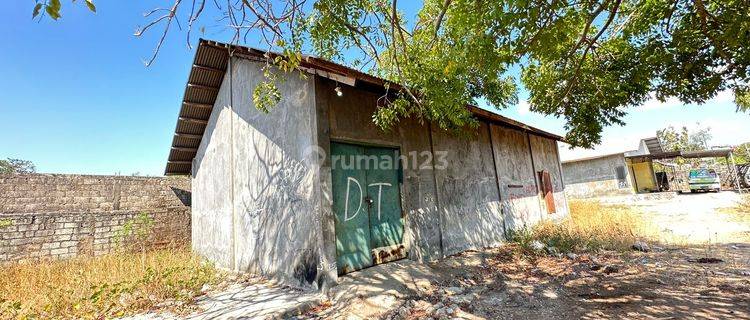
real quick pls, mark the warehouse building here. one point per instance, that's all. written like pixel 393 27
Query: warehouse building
pixel 278 193
pixel 596 176
pixel 627 172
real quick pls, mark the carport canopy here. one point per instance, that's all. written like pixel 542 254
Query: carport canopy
pixel 713 153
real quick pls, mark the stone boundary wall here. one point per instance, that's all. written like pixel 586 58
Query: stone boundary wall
pixel 62 216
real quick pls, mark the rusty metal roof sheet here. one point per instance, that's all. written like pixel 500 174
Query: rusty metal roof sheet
pixel 210 64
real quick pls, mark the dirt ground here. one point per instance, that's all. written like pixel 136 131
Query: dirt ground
pixel 690 218
pixel 700 271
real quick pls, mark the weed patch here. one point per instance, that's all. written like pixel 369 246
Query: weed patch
pixel 591 226
pixel 740 212
pixel 101 287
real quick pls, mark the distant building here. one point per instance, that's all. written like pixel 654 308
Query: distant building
pixel 626 172
pixel 632 172
pixel 594 176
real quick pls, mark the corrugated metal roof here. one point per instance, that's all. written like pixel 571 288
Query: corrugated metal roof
pixel 653 145
pixel 602 156
pixel 210 64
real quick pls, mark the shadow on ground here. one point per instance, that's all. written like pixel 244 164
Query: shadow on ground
pixel 501 284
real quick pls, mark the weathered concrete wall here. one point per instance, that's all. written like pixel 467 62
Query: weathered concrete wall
pixel 57 216
pixel 213 235
pixel 515 173
pixel 468 191
pixel 456 207
pixel 423 232
pixel 544 153
pixel 274 182
pixel 48 193
pixel 596 177
pixel 255 184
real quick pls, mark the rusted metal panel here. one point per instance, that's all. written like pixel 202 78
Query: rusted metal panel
pixel 547 191
pixel 544 153
pixel 388 254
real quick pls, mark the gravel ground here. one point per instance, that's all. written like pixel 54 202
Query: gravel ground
pixel 691 218
pixel 693 278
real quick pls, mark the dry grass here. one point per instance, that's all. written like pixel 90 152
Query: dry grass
pixel 100 287
pixel 740 212
pixel 591 226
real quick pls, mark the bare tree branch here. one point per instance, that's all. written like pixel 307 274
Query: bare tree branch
pixel 169 17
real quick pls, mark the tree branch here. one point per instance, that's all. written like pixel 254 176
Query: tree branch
pixel 169 17
pixel 439 21
pixel 591 43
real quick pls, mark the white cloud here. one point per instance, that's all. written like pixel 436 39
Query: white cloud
pixel 725 96
pixel 727 131
pixel 722 97
pixel 653 103
pixel 523 107
pixel 610 144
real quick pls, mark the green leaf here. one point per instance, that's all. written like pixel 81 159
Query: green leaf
pixel 90 4
pixel 53 9
pixel 37 9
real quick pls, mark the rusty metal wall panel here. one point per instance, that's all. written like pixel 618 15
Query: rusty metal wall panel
pixel 212 57
pixel 184 142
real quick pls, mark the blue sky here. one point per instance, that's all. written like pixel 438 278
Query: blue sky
pixel 75 96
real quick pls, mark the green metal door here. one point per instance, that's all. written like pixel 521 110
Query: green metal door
pixel 350 209
pixel 386 223
pixel 366 204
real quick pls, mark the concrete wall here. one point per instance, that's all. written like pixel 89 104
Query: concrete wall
pixel 57 216
pixel 349 119
pixel 596 177
pixel 274 179
pixel 460 206
pixel 468 191
pixel 212 214
pixel 256 206
pixel 516 175
pixel 545 156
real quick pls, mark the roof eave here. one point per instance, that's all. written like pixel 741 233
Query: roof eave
pixel 212 57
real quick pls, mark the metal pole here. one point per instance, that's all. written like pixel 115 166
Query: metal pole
pixel 736 174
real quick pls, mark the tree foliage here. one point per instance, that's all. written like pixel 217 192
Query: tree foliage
pixel 742 153
pixel 53 8
pixel 16 166
pixel 589 62
pixel 673 139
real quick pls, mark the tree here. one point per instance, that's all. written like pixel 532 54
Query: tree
pixel 16 166
pixel 742 153
pixel 684 140
pixel 589 62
